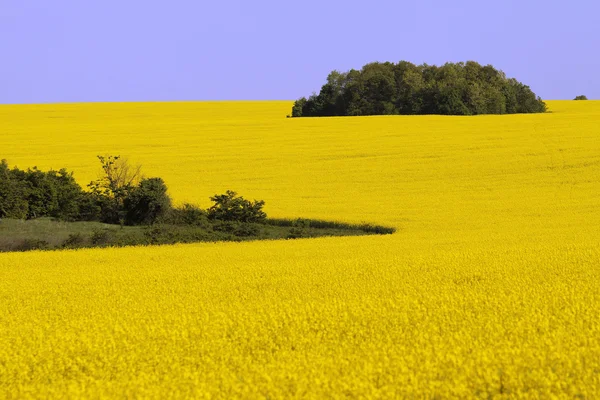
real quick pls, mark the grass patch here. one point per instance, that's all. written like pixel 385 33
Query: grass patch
pixel 49 234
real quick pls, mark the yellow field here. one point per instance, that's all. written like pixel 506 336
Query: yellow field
pixel 490 287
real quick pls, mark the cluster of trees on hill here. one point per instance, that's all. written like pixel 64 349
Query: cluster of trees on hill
pixel 121 196
pixel 580 97
pixel 404 88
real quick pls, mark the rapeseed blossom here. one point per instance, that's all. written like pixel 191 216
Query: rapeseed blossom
pixel 489 288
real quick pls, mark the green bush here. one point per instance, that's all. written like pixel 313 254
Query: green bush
pixel 32 244
pixel 170 234
pixel 34 193
pixel 580 97
pixel 296 233
pixel 75 240
pixel 188 214
pixel 103 237
pixel 162 234
pixel 231 207
pixel 236 228
pixel 147 202
pixel 13 194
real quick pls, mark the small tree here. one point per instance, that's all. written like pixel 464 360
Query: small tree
pixel 231 207
pixel 297 108
pixel 68 194
pixel 13 194
pixel 580 97
pixel 147 202
pixel 41 193
pixel 117 181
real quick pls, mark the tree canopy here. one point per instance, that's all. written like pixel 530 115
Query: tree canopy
pixel 120 196
pixel 405 88
pixel 34 193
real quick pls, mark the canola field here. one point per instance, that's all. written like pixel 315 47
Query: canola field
pixel 490 288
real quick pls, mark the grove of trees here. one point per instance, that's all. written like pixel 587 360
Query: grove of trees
pixel 121 196
pixel 405 88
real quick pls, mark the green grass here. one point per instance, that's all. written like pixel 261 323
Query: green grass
pixel 49 234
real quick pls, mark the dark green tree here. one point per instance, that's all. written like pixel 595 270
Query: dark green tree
pixel 147 202
pixel 41 193
pixel 69 195
pixel 13 194
pixel 35 193
pixel 298 106
pixel 231 207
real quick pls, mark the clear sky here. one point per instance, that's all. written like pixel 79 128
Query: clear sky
pixel 148 50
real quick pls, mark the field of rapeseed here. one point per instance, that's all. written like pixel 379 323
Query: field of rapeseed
pixel 489 288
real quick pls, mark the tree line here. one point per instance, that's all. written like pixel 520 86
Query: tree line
pixel 408 89
pixel 121 196
pixel 123 208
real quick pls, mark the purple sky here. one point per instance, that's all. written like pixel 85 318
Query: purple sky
pixel 146 50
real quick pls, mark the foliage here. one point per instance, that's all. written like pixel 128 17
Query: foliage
pixel 231 218
pixel 13 194
pixel 298 229
pixel 581 97
pixel 236 228
pixel 302 223
pixel 187 214
pixel 75 240
pixel 231 207
pixel 31 244
pixel 118 179
pixel 147 202
pixel 19 235
pixel 298 106
pixel 102 237
pixel 121 195
pixel 404 88
pixel 34 193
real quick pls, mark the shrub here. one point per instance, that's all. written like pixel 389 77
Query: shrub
pixel 298 228
pixel 162 234
pixel 90 207
pixel 170 234
pixel 580 97
pixel 236 228
pixel 74 240
pixel 32 244
pixel 377 229
pixel 147 202
pixel 13 194
pixel 297 108
pixel 67 195
pixel 231 207
pixel 245 230
pixel 34 193
pixel 188 214
pixel 296 233
pixel 102 237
